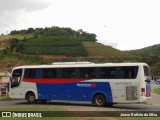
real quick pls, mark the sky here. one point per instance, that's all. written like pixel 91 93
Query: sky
pixel 122 24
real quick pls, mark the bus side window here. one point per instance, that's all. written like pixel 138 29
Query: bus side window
pixel 67 73
pixel 102 73
pixel 107 72
pixel 48 73
pixel 146 71
pixel 87 72
pixel 129 72
pixel 29 73
pixel 64 73
pixel 82 73
pixel 72 73
pixel 92 72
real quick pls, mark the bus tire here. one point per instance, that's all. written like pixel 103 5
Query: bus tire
pixel 99 100
pixel 30 97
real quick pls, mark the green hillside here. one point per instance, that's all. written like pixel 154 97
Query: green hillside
pixel 97 49
pixel 150 55
pixel 107 53
pixel 48 45
pixel 53 45
pixel 18 36
pixel 148 51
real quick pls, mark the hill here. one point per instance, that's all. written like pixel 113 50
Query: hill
pixel 150 55
pixel 48 45
pixel 107 53
pixel 52 45
pixel 153 50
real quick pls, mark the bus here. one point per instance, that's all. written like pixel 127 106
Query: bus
pixel 101 84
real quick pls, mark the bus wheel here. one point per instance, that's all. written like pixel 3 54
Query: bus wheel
pixel 99 100
pixel 31 99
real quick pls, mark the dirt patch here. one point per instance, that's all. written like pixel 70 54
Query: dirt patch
pixel 5 43
pixel 9 64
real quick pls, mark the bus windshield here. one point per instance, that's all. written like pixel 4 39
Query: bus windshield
pixel 16 77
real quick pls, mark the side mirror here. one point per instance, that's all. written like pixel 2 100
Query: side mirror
pixel 148 79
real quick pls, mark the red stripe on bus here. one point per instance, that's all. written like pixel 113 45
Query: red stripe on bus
pixel 55 81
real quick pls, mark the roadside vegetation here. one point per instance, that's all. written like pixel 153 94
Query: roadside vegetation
pixel 157 90
pixel 5 98
pixel 22 109
pixel 150 55
pixel 62 112
pixel 18 36
pixel 139 118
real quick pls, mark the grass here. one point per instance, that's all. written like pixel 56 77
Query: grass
pixel 139 118
pixel 108 53
pixel 20 37
pixel 97 49
pixel 56 109
pixel 9 61
pixel 5 98
pixel 31 109
pixel 157 90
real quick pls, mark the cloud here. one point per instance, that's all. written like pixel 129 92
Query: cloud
pixel 106 42
pixel 16 5
pixel 13 13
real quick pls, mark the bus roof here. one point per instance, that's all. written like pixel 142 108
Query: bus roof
pixel 80 65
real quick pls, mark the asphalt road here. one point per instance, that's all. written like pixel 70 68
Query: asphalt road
pixel 84 106
pixel 155 98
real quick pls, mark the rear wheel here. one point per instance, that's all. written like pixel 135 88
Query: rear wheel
pixel 31 99
pixel 99 100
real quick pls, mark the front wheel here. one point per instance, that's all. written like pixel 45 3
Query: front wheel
pixel 31 99
pixel 99 100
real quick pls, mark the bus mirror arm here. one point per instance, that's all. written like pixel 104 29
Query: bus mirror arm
pixel 148 79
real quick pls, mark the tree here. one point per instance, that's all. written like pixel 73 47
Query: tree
pixel 30 30
pixel 20 47
pixel 14 43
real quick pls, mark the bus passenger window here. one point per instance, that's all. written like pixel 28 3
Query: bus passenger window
pixel 72 73
pixel 49 73
pixel 108 73
pixel 112 74
pixel 87 72
pixel 129 72
pixel 64 73
pixel 29 73
pixel 67 73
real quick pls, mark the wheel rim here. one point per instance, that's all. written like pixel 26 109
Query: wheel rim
pixel 99 101
pixel 32 98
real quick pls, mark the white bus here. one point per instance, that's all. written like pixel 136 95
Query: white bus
pixel 101 84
